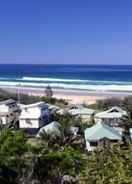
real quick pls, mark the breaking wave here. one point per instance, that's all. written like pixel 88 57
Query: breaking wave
pixel 67 83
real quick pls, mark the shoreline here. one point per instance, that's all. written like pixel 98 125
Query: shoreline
pixel 72 96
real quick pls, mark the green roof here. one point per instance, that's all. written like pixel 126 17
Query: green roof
pixel 100 131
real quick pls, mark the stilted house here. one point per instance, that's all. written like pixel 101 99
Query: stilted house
pixel 34 116
pixel 9 111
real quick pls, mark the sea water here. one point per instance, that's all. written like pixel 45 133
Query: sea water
pixel 85 77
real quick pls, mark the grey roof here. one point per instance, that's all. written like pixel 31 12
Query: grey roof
pixel 53 107
pixel 81 111
pixel 7 102
pixel 100 131
pixel 117 109
pixel 52 128
pixel 114 112
pixel 37 104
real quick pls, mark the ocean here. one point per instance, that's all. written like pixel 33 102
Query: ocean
pixel 85 77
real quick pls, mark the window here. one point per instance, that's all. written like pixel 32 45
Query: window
pixel 28 121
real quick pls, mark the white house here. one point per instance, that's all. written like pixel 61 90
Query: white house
pixel 9 110
pixel 112 116
pixel 34 115
pixel 83 112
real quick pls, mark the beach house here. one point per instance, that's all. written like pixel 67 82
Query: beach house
pixel 82 112
pixel 34 116
pixel 9 111
pixel 98 132
pixel 112 117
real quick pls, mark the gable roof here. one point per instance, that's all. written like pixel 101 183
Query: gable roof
pixel 81 111
pixel 100 131
pixel 7 102
pixel 52 128
pixel 114 112
pixel 117 109
pixel 37 104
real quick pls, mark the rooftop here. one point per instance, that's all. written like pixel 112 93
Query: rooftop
pixel 100 131
pixel 37 104
pixel 7 102
pixel 114 112
pixel 81 111
pixel 52 129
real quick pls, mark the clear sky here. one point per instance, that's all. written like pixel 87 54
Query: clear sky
pixel 66 31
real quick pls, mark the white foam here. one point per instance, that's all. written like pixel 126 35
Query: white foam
pixel 70 86
pixel 61 80
pixel 73 80
pixel 51 79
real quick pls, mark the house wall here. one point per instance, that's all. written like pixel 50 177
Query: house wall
pixel 30 123
pixel 3 120
pixel 13 107
pixel 4 108
pixel 110 121
pixel 36 110
pixel 12 110
pixel 87 117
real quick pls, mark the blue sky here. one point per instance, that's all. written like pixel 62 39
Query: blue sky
pixel 66 31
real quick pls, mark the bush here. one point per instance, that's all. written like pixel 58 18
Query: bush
pixel 25 99
pixel 54 101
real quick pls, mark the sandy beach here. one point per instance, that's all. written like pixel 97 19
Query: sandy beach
pixel 72 96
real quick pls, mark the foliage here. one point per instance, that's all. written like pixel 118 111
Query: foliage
pixel 56 164
pixel 25 99
pixel 28 99
pixel 48 92
pixel 12 144
pixel 109 165
pixel 23 163
pixel 54 101
pixel 48 160
pixel 12 149
pixel 107 103
pixel 125 103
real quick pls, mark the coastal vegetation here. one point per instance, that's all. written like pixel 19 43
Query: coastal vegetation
pixel 28 99
pixel 24 99
pixel 23 163
pixel 63 159
pixel 104 104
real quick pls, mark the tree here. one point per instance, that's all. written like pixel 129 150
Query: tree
pixel 108 165
pixel 50 167
pixel 12 149
pixel 48 92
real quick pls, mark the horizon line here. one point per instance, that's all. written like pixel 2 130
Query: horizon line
pixel 66 64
